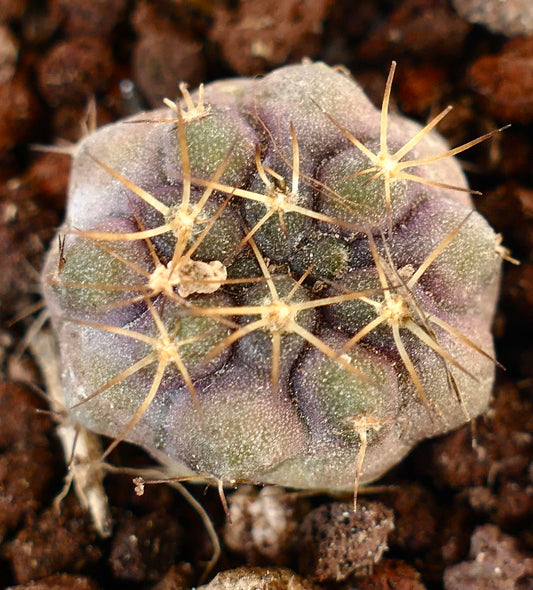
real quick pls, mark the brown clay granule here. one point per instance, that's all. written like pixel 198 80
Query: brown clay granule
pixel 337 542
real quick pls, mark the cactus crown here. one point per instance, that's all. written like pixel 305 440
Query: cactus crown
pixel 258 287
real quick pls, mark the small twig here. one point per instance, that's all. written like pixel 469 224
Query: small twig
pixel 82 449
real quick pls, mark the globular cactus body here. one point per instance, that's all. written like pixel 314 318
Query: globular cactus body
pixel 267 286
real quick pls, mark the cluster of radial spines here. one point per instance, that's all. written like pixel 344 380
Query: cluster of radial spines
pixel 279 309
pixel 393 166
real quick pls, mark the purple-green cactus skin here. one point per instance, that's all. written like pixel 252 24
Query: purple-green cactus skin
pixel 273 282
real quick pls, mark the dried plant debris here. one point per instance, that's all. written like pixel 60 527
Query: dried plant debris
pixel 337 542
pixel 271 281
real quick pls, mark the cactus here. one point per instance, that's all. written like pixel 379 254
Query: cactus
pixel 272 282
